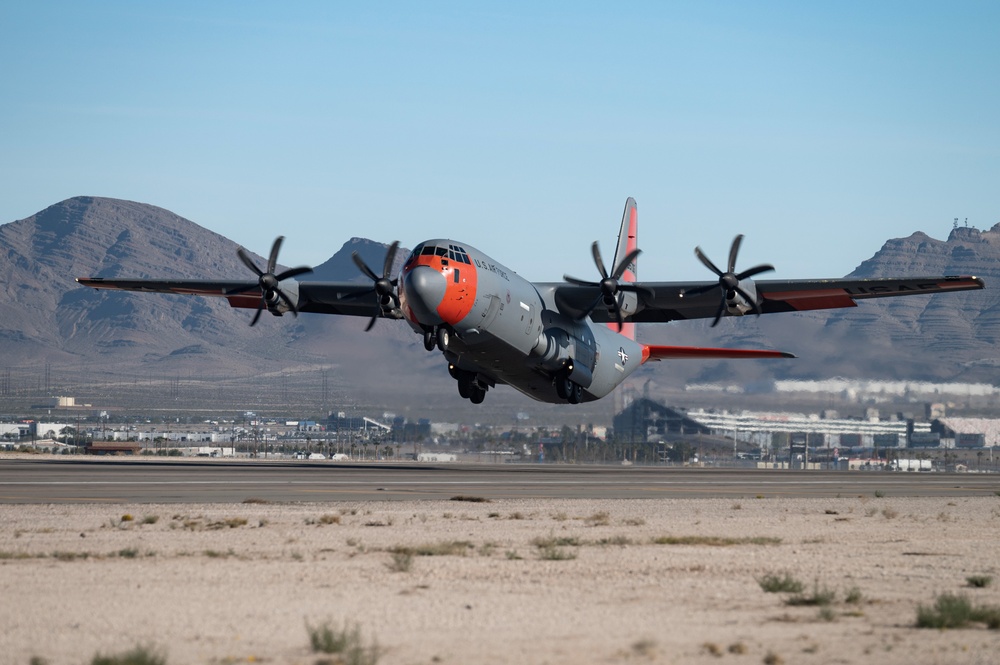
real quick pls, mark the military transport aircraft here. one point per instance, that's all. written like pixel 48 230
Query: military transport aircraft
pixel 572 341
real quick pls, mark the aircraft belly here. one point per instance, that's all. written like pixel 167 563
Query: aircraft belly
pixel 503 363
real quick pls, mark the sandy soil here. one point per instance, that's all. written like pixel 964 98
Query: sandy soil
pixel 570 581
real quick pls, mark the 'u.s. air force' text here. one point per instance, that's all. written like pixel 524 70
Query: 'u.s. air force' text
pixel 492 268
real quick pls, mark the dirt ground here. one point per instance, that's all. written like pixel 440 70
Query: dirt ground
pixel 565 581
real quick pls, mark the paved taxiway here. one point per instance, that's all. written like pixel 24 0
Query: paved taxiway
pixel 219 481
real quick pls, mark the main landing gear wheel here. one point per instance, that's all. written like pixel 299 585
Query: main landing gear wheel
pixel 563 386
pixel 469 386
pixel 465 386
pixel 567 389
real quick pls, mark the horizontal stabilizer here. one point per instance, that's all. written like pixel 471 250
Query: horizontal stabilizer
pixel 654 352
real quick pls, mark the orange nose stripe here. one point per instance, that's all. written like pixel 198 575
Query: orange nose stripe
pixel 460 294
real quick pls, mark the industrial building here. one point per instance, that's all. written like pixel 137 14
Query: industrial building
pixel 646 421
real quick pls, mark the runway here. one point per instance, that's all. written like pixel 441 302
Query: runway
pixel 59 481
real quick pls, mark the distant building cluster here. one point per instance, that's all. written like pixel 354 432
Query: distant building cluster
pixel 646 421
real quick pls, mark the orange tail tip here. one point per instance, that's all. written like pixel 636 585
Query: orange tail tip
pixel 655 352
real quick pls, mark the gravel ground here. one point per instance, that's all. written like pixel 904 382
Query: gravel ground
pixel 565 581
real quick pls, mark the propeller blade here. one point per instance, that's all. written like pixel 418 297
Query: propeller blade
pixel 706 261
pixel 756 270
pixel 749 299
pixel 598 261
pixel 256 316
pixel 288 301
pixel 294 272
pixel 625 263
pixel 248 262
pixel 619 318
pixel 359 262
pixel 701 289
pixel 272 260
pixel 718 312
pixel 733 251
pixel 579 282
pixel 390 258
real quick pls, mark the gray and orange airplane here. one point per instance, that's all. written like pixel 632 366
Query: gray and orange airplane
pixel 571 341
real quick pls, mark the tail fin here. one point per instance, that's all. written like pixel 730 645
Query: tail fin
pixel 627 241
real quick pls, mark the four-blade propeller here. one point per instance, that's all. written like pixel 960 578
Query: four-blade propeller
pixel 268 282
pixel 609 284
pixel 729 281
pixel 385 288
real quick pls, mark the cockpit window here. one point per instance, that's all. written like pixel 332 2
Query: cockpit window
pixel 452 252
pixel 459 254
pixel 414 254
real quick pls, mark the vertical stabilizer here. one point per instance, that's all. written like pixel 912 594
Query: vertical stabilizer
pixel 627 241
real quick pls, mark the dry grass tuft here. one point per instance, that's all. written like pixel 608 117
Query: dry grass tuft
pixel 443 548
pixel 598 519
pixel 715 541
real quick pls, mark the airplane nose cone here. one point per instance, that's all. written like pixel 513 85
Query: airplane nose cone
pixel 425 288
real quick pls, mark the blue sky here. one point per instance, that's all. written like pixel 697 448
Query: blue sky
pixel 819 130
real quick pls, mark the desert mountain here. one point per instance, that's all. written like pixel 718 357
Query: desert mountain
pixel 46 318
pixel 80 334
pixel 945 337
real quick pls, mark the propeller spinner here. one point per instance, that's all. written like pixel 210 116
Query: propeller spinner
pixel 729 281
pixel 268 282
pixel 609 284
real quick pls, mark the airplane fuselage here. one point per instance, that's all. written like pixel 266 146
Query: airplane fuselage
pixel 495 327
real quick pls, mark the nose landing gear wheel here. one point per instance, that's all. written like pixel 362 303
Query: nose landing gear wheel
pixel 430 339
pixel 443 337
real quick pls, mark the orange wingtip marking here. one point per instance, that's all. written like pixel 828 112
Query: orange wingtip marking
pixel 819 299
pixel 962 283
pixel 655 352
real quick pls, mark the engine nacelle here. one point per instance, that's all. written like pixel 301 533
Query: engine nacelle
pixel 738 305
pixel 275 304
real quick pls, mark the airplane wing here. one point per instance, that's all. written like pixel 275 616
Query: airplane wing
pixel 346 298
pixel 660 302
